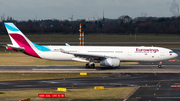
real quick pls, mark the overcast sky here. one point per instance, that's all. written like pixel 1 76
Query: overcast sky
pixel 82 9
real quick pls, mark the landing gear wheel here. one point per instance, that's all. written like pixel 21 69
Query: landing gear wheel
pixel 92 65
pixel 159 66
pixel 87 65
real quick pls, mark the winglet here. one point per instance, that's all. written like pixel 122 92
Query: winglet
pixel 67 44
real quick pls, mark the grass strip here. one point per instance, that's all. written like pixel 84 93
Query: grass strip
pixel 89 93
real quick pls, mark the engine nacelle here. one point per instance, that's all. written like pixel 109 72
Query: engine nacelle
pixel 114 62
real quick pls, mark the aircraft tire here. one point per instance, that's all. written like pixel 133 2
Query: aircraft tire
pixel 159 66
pixel 92 65
pixel 87 65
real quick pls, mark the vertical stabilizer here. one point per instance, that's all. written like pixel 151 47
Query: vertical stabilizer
pixel 16 36
pixel 18 39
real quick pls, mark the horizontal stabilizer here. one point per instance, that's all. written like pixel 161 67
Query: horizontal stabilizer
pixel 19 49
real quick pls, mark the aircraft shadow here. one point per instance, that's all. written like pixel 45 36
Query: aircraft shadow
pixel 113 68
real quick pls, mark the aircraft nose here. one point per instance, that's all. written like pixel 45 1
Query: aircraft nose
pixel 175 55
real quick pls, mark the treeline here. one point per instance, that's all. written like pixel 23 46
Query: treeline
pixel 141 25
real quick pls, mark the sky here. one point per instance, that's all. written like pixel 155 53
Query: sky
pixel 83 9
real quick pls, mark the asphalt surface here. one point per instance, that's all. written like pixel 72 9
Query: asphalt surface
pixel 98 69
pixel 89 82
pixel 152 86
pixel 164 93
pixel 118 80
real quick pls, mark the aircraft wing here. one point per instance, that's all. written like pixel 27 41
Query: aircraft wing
pixel 85 55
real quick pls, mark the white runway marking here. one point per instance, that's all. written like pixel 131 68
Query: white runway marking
pixel 62 69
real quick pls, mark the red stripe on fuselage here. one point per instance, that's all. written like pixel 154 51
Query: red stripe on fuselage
pixel 21 41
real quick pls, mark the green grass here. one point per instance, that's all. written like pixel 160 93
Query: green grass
pixel 98 38
pixel 90 93
pixel 41 76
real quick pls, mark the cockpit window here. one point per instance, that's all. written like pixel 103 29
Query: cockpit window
pixel 171 52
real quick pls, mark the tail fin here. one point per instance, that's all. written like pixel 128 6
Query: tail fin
pixel 18 39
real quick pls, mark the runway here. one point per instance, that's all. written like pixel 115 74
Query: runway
pixel 98 69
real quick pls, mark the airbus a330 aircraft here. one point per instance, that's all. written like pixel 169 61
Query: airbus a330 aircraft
pixel 105 55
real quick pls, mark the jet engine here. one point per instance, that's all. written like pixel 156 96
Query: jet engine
pixel 114 62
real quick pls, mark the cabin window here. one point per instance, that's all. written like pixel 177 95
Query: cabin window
pixel 171 52
pixel 101 51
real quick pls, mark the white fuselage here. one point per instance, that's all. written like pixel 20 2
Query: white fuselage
pixel 123 53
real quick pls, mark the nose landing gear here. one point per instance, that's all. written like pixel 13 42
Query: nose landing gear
pixel 160 65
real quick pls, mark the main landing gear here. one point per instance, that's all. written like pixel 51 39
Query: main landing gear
pixel 88 65
pixel 159 65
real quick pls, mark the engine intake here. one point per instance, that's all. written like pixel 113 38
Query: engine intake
pixel 114 62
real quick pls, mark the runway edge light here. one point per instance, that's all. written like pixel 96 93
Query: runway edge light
pixel 62 89
pixel 99 88
pixel 83 73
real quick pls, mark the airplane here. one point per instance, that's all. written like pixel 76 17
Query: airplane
pixel 105 55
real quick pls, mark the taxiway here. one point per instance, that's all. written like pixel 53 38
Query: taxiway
pixel 98 69
pixel 151 86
